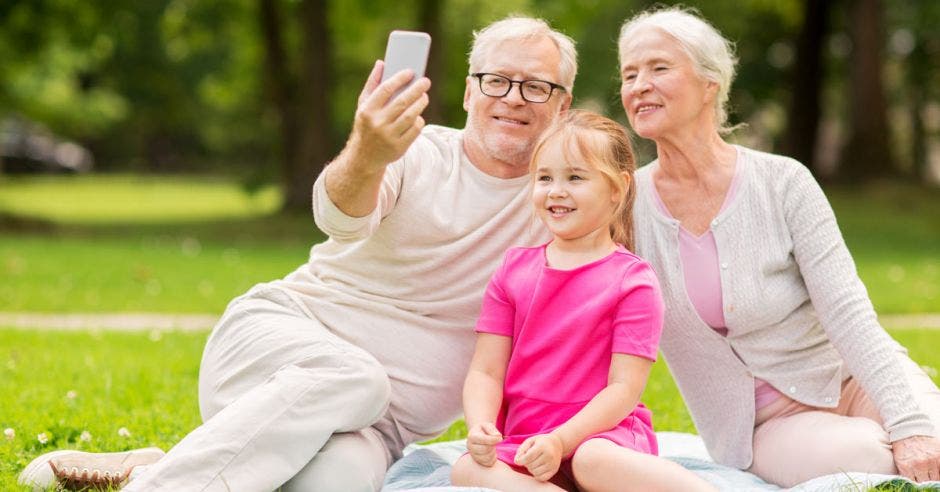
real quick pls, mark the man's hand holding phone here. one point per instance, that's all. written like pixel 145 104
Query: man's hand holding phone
pixel 384 126
pixel 388 119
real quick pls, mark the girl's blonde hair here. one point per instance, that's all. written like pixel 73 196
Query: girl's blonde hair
pixel 605 144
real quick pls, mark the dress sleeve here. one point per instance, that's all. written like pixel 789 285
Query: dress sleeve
pixel 498 312
pixel 638 321
pixel 344 228
pixel 845 310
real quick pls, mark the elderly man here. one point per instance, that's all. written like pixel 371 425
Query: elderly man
pixel 317 381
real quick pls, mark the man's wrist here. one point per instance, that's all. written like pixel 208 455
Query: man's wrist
pixel 358 162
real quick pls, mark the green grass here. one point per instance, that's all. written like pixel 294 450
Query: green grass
pixel 66 383
pixel 141 254
pixel 133 199
pixel 190 244
pixel 893 231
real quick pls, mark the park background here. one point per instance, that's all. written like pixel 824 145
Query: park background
pixel 157 157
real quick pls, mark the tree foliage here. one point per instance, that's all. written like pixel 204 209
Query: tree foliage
pixel 180 85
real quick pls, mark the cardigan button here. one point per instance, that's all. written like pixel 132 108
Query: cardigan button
pixel 792 390
pixel 724 266
pixel 715 222
pixel 828 399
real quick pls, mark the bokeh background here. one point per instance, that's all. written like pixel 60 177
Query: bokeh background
pixel 264 90
pixel 156 158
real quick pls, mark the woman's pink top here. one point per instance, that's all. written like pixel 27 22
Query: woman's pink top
pixel 565 325
pixel 699 257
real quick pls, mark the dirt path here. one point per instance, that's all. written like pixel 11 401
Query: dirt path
pixel 196 321
pixel 109 321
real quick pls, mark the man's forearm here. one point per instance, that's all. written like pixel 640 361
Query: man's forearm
pixel 352 186
pixel 382 131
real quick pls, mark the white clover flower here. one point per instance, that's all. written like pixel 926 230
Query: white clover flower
pixel 86 436
pixel 123 432
pixel 42 438
pixel 71 395
pixel 9 433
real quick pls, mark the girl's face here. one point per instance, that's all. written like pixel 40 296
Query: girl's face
pixel 571 197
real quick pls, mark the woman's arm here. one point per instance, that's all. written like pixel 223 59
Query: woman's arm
pixel 848 317
pixel 844 309
pixel 483 395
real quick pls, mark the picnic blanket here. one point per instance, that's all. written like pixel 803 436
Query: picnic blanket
pixel 426 468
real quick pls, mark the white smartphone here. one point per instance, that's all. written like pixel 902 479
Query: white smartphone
pixel 406 49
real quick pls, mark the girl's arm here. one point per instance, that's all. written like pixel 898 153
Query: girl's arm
pixel 625 383
pixel 483 395
pixel 542 454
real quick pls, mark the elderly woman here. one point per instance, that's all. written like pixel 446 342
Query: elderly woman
pixel 769 332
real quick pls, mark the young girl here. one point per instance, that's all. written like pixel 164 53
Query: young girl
pixel 568 333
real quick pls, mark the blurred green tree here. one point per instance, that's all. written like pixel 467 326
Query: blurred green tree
pixel 804 110
pixel 867 152
pixel 267 88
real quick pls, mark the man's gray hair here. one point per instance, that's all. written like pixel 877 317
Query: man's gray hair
pixel 515 28
pixel 711 54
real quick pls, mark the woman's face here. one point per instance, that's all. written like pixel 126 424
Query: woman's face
pixel 660 90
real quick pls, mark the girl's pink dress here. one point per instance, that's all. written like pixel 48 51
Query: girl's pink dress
pixel 565 326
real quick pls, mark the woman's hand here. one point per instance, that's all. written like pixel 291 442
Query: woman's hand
pixel 481 443
pixel 541 455
pixel 918 458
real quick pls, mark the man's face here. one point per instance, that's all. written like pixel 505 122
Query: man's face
pixel 505 129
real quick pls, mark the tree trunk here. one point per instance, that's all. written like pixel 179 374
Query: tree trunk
pixel 867 153
pixel 918 74
pixel 804 113
pixel 279 87
pixel 430 22
pixel 302 103
pixel 315 111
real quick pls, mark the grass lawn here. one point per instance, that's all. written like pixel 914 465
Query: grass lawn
pixel 67 384
pixel 893 232
pixel 191 244
pixel 125 243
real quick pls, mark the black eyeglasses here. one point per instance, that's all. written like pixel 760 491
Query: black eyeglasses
pixel 534 91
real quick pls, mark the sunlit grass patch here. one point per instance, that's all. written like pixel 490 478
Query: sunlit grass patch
pixel 133 199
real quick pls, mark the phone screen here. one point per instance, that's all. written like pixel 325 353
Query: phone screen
pixel 406 50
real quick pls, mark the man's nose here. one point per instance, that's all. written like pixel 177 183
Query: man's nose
pixel 514 96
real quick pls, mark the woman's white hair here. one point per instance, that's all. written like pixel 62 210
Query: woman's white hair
pixel 516 28
pixel 711 54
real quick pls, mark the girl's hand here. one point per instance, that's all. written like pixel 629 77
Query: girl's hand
pixel 481 443
pixel 541 455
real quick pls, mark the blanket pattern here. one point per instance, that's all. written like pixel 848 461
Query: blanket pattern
pixel 426 468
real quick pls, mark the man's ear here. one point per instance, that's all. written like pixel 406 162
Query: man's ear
pixel 565 103
pixel 466 95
